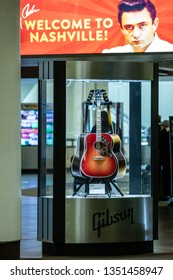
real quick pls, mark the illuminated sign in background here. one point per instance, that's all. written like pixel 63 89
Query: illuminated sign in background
pixel 80 26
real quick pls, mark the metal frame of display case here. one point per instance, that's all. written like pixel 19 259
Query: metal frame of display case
pixel 52 216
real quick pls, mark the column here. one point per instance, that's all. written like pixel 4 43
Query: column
pixel 10 150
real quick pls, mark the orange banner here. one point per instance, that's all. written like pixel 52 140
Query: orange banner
pixel 79 27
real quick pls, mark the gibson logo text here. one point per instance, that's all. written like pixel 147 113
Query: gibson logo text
pixel 105 219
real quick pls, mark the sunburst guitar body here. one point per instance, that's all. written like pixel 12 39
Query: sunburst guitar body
pixel 98 160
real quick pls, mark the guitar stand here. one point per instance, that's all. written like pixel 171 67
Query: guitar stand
pixel 81 182
pixel 109 188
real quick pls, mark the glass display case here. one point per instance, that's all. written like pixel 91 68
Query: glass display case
pixel 96 179
pixel 108 159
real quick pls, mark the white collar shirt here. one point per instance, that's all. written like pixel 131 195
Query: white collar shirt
pixel 157 45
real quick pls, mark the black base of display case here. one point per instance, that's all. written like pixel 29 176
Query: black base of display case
pixel 99 249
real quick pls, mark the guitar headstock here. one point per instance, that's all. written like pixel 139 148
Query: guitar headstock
pixel 99 97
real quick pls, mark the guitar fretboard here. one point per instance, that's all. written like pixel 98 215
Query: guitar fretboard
pixel 98 125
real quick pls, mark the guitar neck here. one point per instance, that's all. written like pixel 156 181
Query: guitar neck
pixel 98 125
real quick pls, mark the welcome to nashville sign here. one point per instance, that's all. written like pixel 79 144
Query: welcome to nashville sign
pixel 77 27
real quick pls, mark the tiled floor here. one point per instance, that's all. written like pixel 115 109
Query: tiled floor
pixel 31 248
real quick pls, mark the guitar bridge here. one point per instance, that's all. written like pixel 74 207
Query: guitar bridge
pixel 98 158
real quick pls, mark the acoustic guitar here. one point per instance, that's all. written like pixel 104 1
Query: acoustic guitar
pixel 98 160
pixel 98 155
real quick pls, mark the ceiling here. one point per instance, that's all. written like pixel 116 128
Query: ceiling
pixel 164 60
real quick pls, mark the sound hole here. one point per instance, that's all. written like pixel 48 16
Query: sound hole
pixel 98 145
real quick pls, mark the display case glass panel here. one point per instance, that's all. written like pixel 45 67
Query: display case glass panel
pixel 103 156
pixel 47 137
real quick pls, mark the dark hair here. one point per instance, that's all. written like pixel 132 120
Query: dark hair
pixel 134 6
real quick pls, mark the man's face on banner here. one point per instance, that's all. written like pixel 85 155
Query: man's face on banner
pixel 138 29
